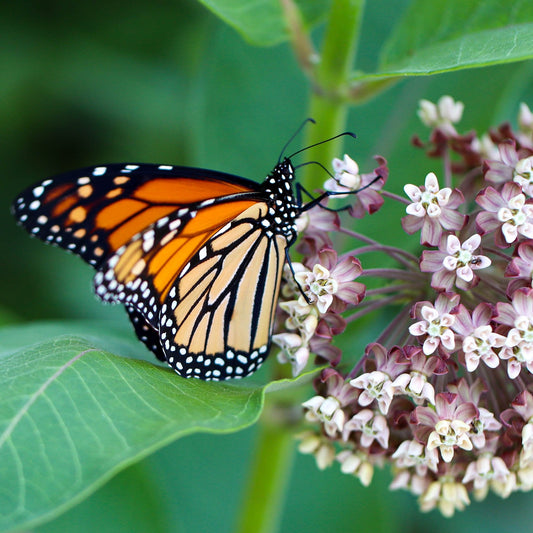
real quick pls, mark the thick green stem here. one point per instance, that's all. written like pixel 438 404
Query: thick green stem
pixel 329 107
pixel 269 476
pixel 329 100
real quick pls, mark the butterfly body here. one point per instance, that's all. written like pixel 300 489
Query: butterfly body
pixel 196 256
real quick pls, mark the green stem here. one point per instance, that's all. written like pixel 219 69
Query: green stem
pixel 329 100
pixel 269 476
pixel 329 107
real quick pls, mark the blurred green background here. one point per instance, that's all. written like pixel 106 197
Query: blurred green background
pixel 167 82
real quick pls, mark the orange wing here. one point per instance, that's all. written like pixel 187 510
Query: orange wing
pixel 216 322
pixel 95 211
pixel 142 271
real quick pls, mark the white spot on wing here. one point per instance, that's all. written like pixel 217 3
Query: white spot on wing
pixel 174 224
pixel 99 171
pixel 38 191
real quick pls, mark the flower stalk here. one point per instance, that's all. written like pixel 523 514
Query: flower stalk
pixel 266 487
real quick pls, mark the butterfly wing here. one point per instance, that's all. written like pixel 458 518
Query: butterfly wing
pixel 216 322
pixel 95 211
pixel 141 272
pixel 145 332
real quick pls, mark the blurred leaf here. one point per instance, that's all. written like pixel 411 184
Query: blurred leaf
pixel 443 36
pixel 261 22
pixel 72 415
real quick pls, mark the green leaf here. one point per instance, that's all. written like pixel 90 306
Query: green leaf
pixel 261 22
pixel 131 502
pixel 443 36
pixel 72 415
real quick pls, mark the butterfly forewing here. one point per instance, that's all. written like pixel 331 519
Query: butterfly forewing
pixel 94 211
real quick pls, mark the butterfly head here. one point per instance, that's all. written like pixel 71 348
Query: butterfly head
pixel 283 207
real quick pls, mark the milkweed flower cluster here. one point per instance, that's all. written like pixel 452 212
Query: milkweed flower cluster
pixel 445 393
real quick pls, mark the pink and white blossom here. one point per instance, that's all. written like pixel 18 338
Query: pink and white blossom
pixel 346 179
pixel 523 175
pixel 506 213
pixel 447 427
pixel 432 210
pixel 480 341
pixel 369 427
pixel 442 115
pixel 521 268
pixel 454 263
pixel 436 324
pixel 518 316
pixel 356 464
pixel 429 395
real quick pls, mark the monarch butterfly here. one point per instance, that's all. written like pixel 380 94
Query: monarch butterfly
pixel 196 256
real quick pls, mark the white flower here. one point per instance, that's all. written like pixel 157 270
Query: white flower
pixel 484 471
pixel 294 350
pixel 372 427
pixel 525 119
pixel 326 411
pixel 486 148
pixel 415 385
pixel 429 201
pixel 479 345
pixel 527 440
pixel 320 447
pixel 443 115
pixel 357 465
pixel 523 175
pixel 447 434
pixel 412 453
pixel 346 177
pixel 437 329
pixel 462 258
pixel 302 317
pixel 320 287
pixel 377 386
pixel 517 217
pixel 447 495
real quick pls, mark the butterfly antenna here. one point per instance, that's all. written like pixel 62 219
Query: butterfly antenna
pixel 351 134
pixel 300 127
pixel 316 163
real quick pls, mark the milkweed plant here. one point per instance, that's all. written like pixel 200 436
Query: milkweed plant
pixel 444 394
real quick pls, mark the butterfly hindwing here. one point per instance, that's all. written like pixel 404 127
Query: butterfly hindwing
pixel 217 320
pixel 145 332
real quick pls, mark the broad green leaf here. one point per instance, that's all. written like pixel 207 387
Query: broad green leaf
pixel 131 502
pixel 116 337
pixel 436 37
pixel 72 415
pixel 261 22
